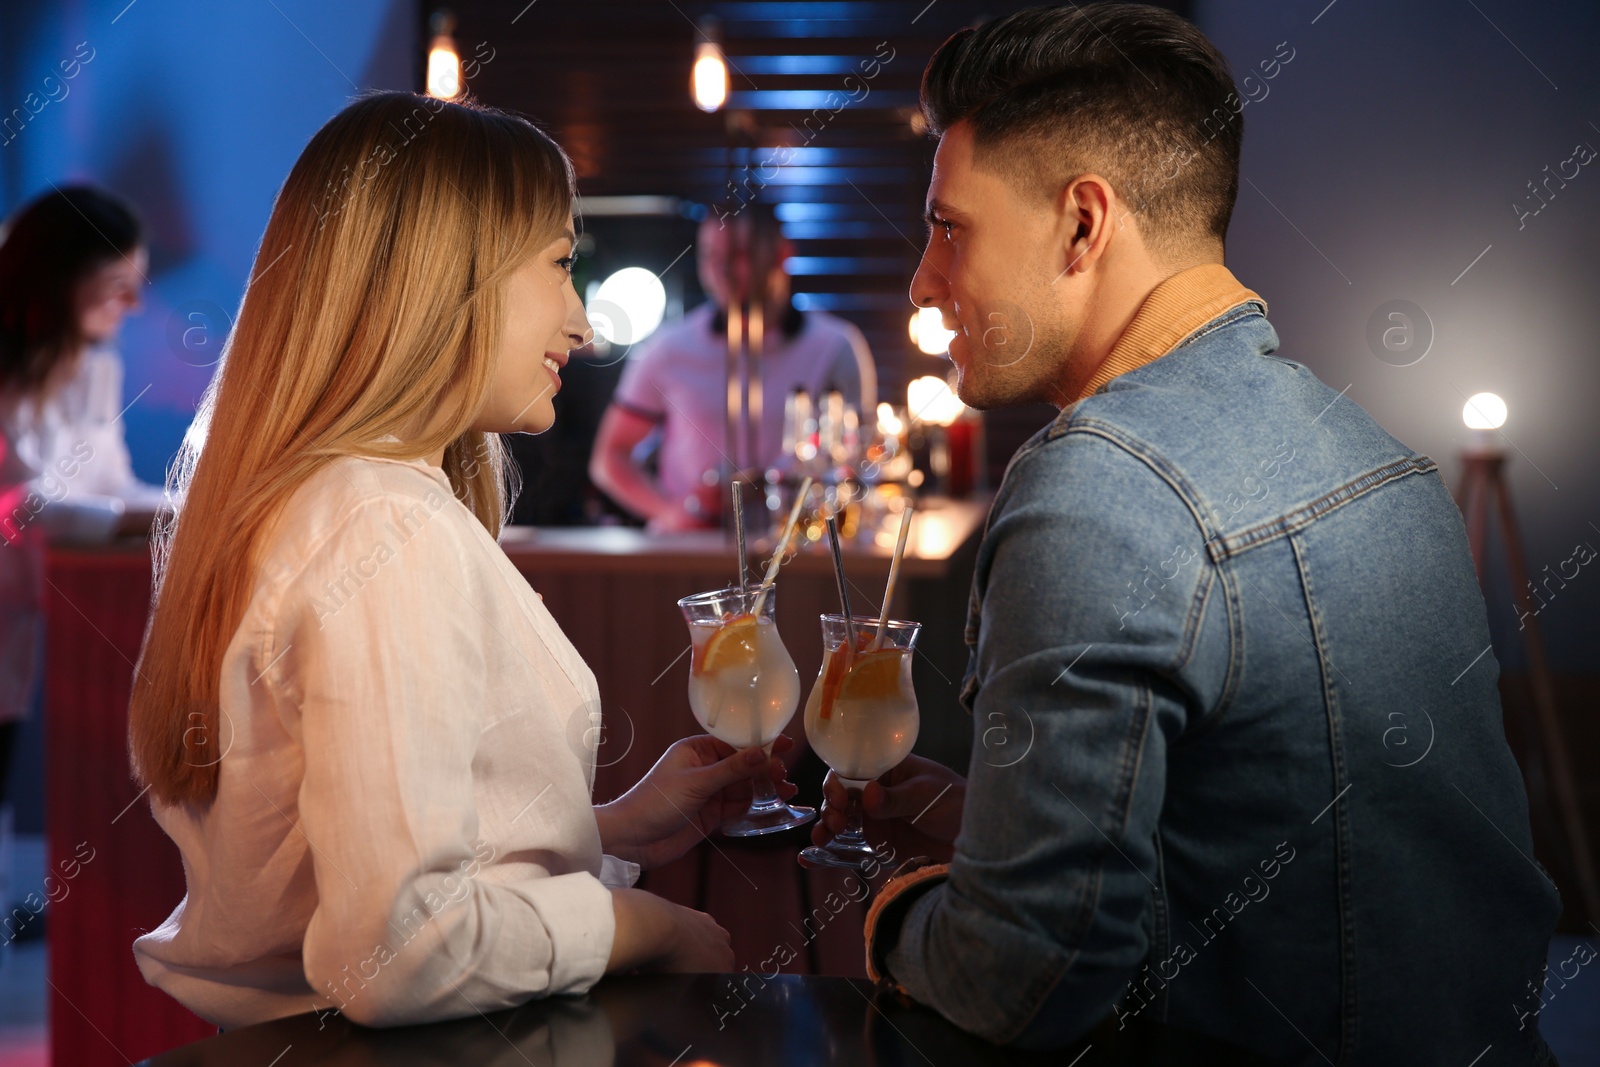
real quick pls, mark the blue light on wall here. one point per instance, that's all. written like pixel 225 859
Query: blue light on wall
pixel 195 113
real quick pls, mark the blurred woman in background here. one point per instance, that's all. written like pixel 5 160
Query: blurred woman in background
pixel 72 264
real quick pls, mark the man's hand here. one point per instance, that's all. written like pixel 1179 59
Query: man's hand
pixel 916 808
pixel 699 510
pixel 698 784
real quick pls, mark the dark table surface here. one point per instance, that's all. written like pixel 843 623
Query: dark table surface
pixel 679 1021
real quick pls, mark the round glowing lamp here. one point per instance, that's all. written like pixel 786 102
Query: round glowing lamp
pixel 628 306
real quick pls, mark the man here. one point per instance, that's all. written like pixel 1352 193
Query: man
pixel 677 380
pixel 1240 765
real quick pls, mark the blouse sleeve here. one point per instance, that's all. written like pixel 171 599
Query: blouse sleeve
pixel 381 648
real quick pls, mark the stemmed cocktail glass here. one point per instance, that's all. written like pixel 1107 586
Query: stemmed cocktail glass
pixel 861 719
pixel 743 688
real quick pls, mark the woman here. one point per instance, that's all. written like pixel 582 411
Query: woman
pixel 72 263
pixel 361 727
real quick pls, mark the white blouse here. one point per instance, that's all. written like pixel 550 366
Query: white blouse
pixel 64 475
pixel 403 825
pixel 72 453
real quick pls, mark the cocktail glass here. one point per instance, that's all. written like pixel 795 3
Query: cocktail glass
pixel 743 688
pixel 861 719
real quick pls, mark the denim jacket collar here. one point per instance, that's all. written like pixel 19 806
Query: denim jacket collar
pixel 1174 312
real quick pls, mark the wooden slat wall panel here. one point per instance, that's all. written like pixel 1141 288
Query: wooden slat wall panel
pixel 101 1010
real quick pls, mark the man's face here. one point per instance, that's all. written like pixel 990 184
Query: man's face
pixel 723 251
pixel 994 269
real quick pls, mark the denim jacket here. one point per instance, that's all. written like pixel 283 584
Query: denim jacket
pixel 1239 765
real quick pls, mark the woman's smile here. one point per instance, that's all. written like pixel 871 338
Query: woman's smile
pixel 553 362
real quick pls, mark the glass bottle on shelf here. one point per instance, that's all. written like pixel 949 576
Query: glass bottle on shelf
pixel 795 459
pixel 838 457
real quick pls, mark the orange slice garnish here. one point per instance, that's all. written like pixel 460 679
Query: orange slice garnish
pixel 733 645
pixel 880 675
pixel 874 675
pixel 838 665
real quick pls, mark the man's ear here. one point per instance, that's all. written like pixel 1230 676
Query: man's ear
pixel 1088 211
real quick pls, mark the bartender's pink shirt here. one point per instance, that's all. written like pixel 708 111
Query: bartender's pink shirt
pixel 678 377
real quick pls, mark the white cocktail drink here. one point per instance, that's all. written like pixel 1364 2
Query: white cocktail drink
pixel 868 726
pixel 743 686
pixel 861 719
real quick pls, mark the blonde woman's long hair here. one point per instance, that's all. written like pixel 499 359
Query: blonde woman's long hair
pixel 374 308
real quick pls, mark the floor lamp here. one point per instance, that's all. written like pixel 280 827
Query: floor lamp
pixel 1483 493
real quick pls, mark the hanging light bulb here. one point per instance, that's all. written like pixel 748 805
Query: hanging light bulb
pixel 444 60
pixel 708 82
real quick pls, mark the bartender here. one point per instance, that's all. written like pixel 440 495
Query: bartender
pixel 676 382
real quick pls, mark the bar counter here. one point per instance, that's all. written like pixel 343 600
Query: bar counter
pixel 690 1021
pixel 614 593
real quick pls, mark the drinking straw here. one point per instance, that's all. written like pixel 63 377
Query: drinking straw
pixel 838 574
pixel 738 531
pixel 783 546
pixel 894 572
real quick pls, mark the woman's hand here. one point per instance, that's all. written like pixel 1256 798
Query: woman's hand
pixel 915 808
pixel 653 934
pixel 698 784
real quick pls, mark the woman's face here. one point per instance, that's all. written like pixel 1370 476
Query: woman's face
pixel 544 320
pixel 109 292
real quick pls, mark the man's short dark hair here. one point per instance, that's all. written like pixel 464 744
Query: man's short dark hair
pixel 1132 92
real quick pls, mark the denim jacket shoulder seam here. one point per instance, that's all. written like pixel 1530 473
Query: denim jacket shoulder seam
pixel 1189 631
pixel 1039 438
pixel 1134 448
pixel 1221 548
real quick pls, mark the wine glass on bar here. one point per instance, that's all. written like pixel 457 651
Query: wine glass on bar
pixel 744 688
pixel 861 719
